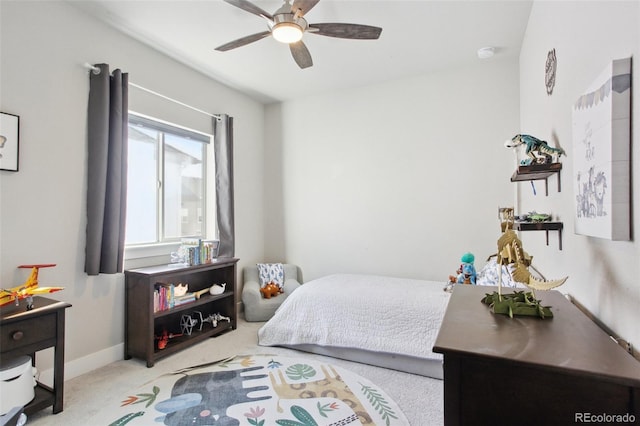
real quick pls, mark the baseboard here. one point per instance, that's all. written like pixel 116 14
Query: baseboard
pixel 625 344
pixel 86 364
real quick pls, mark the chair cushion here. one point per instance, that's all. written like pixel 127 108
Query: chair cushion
pixel 271 272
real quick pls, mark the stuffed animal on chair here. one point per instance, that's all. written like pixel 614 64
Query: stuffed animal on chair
pixel 270 289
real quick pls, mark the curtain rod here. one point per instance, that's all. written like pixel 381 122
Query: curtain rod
pixel 95 70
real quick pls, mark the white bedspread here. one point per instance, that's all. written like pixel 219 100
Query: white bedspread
pixel 373 313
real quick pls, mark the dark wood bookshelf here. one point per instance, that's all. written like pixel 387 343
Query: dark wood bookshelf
pixel 143 324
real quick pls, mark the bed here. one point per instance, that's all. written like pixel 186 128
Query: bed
pixel 384 321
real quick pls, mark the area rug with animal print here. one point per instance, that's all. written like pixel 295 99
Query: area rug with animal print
pixel 258 390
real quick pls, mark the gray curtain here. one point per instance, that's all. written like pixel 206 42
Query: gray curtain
pixel 107 171
pixel 223 146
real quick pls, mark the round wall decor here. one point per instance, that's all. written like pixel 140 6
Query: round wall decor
pixel 550 71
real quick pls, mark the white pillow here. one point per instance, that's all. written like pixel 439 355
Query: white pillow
pixel 271 272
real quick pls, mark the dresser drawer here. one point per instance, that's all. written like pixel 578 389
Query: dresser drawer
pixel 27 332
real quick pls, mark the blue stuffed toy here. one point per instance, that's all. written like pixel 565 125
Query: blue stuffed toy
pixel 467 271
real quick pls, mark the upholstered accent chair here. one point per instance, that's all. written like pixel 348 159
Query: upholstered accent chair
pixel 258 308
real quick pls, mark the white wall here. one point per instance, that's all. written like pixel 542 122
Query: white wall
pixel 603 274
pixel 42 207
pixel 398 179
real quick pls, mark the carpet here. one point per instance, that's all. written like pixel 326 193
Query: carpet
pixel 258 390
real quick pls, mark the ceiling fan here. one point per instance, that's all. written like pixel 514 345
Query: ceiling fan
pixel 287 25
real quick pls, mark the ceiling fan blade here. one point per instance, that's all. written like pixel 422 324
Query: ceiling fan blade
pixel 303 5
pixel 251 8
pixel 351 31
pixel 301 54
pixel 243 41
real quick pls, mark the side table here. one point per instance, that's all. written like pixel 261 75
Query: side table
pixel 25 332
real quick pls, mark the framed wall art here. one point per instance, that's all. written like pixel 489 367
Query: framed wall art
pixel 9 141
pixel 601 159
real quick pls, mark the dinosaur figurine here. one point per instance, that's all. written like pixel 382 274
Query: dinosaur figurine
pixel 538 217
pixel 270 289
pixel 538 151
pixel 510 251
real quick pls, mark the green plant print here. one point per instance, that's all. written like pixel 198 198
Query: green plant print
pixel 126 418
pixel 303 416
pixel 379 403
pixel 324 408
pixel 149 398
pixel 300 371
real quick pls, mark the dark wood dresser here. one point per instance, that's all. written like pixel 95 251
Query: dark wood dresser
pixel 25 332
pixel 530 371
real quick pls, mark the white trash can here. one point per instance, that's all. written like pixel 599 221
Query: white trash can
pixel 16 383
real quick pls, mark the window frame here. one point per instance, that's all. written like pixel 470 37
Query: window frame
pixel 164 246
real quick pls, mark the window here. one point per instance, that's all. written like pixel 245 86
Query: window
pixel 167 170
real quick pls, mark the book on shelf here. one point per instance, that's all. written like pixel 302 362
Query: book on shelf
pixel 186 298
pixel 164 297
pixel 197 251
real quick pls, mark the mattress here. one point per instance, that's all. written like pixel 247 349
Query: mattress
pixel 384 321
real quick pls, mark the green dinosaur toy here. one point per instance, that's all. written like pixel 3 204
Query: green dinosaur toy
pixel 538 151
pixel 538 217
pixel 517 303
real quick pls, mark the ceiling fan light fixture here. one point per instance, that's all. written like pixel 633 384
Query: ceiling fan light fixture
pixel 288 25
pixel 287 32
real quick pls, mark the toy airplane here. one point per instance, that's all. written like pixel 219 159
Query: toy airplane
pixel 28 289
pixel 163 339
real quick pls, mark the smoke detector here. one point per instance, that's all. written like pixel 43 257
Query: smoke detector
pixel 486 52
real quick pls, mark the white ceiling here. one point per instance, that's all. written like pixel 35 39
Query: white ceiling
pixel 418 37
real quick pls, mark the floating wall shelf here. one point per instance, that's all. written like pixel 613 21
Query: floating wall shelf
pixel 538 172
pixel 542 226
